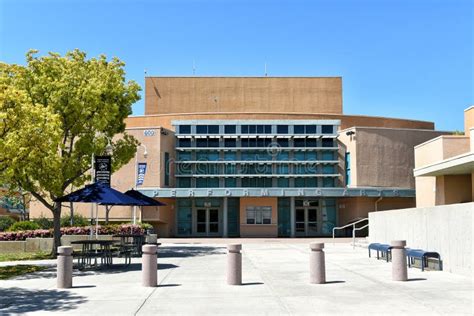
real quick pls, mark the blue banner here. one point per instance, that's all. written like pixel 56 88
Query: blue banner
pixel 141 170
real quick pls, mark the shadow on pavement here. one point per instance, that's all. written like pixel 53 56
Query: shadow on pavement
pixel 417 279
pixel 18 301
pixel 193 251
pixel 334 282
pixel 119 268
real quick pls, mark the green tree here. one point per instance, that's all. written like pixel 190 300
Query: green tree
pixel 70 108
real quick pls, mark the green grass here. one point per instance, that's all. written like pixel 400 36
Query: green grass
pixel 13 271
pixel 16 256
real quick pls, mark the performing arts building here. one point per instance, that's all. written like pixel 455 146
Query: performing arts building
pixel 264 157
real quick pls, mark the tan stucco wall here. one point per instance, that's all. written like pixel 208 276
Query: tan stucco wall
pixel 162 218
pixel 258 230
pixel 383 157
pixel 468 119
pixel 453 189
pixel 243 94
pixel 346 120
pixel 351 208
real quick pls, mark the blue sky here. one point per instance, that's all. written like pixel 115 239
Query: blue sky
pixel 398 58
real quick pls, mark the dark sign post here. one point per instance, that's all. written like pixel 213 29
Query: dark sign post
pixel 103 169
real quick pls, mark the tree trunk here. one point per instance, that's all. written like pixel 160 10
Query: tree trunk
pixel 72 214
pixel 57 228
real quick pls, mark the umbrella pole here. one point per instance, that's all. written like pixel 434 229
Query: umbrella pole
pixel 96 221
pixel 91 230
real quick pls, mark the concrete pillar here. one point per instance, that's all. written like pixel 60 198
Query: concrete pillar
pixel 64 267
pixel 292 216
pixel 317 266
pixel 149 266
pixel 225 219
pixel 399 260
pixel 234 264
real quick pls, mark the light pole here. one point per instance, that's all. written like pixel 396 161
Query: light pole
pixel 145 154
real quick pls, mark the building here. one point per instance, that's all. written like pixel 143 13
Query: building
pixel 264 157
pixel 444 167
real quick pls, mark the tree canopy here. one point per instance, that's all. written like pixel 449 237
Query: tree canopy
pixel 56 112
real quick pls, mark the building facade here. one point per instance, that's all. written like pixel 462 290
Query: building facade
pixel 264 157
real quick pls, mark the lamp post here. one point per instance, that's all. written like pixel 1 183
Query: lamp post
pixel 145 154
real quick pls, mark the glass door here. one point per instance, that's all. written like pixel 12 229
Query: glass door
pixel 306 221
pixel 207 222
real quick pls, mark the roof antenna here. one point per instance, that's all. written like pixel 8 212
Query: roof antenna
pixel 145 72
pixel 266 69
pixel 194 68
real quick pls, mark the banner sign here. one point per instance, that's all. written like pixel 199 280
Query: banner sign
pixel 103 169
pixel 141 170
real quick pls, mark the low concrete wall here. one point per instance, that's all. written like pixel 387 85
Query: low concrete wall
pixel 446 229
pixel 43 244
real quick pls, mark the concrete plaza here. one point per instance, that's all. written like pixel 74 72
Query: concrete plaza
pixel 192 280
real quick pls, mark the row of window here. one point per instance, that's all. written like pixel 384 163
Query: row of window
pixel 256 183
pixel 284 169
pixel 256 142
pixel 256 129
pixel 255 155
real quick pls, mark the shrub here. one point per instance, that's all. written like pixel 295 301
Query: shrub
pixel 146 226
pixel 79 221
pixel 23 226
pixel 5 222
pixel 43 222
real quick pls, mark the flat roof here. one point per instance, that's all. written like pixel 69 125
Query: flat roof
pixel 245 122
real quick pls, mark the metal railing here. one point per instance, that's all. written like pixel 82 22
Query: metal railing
pixel 354 229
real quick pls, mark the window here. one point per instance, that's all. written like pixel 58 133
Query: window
pixel 282 129
pixel 310 129
pixel 327 129
pixel 328 142
pixel 282 142
pixel 184 143
pixel 167 169
pixel 268 129
pixel 348 168
pixel 299 129
pixel 230 129
pixel 213 129
pixel 259 215
pixel 184 182
pixel 244 129
pixel 213 142
pixel 299 142
pixel 230 142
pixel 311 142
pixel 185 129
pixel 201 129
pixel 201 142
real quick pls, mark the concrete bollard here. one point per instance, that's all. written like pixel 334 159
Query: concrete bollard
pixel 317 265
pixel 64 267
pixel 399 260
pixel 234 264
pixel 149 266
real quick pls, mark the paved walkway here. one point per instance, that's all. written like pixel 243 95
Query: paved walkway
pixel 275 275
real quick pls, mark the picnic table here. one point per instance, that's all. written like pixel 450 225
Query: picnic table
pixel 131 242
pixel 93 249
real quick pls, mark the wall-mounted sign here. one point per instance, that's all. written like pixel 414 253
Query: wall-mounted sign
pixel 141 170
pixel 149 132
pixel 103 169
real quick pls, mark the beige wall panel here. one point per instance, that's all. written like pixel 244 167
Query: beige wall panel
pixel 385 157
pixel 458 189
pixel 440 148
pixel 258 230
pixel 242 94
pixel 468 120
pixel 425 191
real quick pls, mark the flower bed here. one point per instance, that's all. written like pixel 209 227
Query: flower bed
pixel 48 233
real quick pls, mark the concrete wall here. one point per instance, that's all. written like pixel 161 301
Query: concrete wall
pixel 383 157
pixel 243 94
pixel 43 244
pixel 445 229
pixel 270 230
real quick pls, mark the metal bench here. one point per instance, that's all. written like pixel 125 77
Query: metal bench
pixel 383 250
pixel 423 256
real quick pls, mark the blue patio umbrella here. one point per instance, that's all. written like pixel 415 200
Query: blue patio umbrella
pixel 101 194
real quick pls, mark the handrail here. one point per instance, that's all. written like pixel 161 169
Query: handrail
pixel 348 225
pixel 354 233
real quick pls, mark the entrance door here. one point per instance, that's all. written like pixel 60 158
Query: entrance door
pixel 207 221
pixel 306 221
